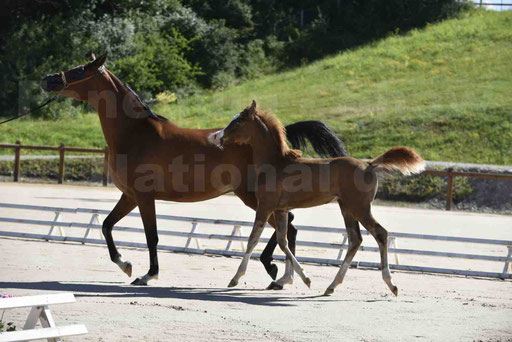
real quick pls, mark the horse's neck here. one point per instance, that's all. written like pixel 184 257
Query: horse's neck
pixel 265 149
pixel 112 103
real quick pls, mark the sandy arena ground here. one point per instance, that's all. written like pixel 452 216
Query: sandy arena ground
pixel 190 302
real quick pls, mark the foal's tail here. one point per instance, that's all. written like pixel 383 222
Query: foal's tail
pixel 401 159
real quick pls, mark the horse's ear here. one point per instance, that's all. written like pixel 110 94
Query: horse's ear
pixel 93 56
pixel 98 62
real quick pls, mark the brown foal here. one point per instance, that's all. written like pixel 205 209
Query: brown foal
pixel 286 181
pixel 150 158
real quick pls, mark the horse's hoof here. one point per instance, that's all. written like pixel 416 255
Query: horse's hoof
pixel 395 291
pixel 128 269
pixel 140 282
pixel 307 281
pixel 273 271
pixel 328 292
pixel 274 286
pixel 233 283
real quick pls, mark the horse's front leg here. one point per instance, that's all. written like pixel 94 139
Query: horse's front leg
pixel 122 208
pixel 147 212
pixel 262 216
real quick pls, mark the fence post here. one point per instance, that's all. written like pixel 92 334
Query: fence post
pixel 61 163
pixel 194 226
pixel 449 195
pixel 507 262
pixel 105 167
pixel 17 161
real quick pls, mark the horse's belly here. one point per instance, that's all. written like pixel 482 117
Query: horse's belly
pixel 189 196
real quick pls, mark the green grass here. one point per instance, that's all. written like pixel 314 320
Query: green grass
pixel 443 90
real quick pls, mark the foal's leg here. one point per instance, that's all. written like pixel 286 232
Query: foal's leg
pixel 147 212
pixel 381 235
pixel 266 256
pixel 249 199
pixel 281 226
pixel 354 241
pixel 122 208
pixel 262 216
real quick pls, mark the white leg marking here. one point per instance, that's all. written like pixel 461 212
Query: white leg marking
pixel 125 266
pixel 287 278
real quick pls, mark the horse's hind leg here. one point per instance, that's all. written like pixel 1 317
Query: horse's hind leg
pixel 281 218
pixel 381 235
pixel 122 208
pixel 354 241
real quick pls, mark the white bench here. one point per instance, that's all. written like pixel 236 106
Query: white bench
pixel 40 312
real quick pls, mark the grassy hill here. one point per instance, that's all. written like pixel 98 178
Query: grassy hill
pixel 444 90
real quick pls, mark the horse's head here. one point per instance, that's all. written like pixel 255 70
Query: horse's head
pixel 240 129
pixel 75 83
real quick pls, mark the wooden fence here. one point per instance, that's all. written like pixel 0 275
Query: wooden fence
pixel 62 149
pixel 450 174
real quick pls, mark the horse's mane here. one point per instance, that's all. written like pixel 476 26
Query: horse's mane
pixel 144 105
pixel 278 132
pixel 152 114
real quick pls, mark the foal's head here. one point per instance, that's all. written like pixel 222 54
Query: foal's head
pixel 77 82
pixel 250 127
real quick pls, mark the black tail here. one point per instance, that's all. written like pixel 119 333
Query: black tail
pixel 322 138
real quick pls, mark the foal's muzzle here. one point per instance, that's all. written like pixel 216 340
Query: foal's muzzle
pixel 216 138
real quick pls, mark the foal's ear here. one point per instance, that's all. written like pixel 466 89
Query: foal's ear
pixel 98 62
pixel 253 107
pixel 251 111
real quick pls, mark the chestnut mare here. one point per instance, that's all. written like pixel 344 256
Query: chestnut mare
pixel 287 181
pixel 150 158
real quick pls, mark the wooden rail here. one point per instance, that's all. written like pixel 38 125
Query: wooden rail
pixel 450 175
pixel 236 236
pixel 62 149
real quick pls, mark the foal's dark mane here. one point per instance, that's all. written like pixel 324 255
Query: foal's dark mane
pixel 278 132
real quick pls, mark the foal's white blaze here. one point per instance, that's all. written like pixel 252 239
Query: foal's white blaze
pixel 214 138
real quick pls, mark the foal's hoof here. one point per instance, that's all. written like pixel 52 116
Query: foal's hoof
pixel 395 291
pixel 274 286
pixel 128 269
pixel 140 282
pixel 233 283
pixel 307 281
pixel 328 292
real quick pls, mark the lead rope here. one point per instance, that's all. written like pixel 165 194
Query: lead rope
pixel 33 110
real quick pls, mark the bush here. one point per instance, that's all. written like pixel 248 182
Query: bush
pixel 158 63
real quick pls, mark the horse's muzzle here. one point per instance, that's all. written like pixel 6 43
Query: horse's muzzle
pixel 52 83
